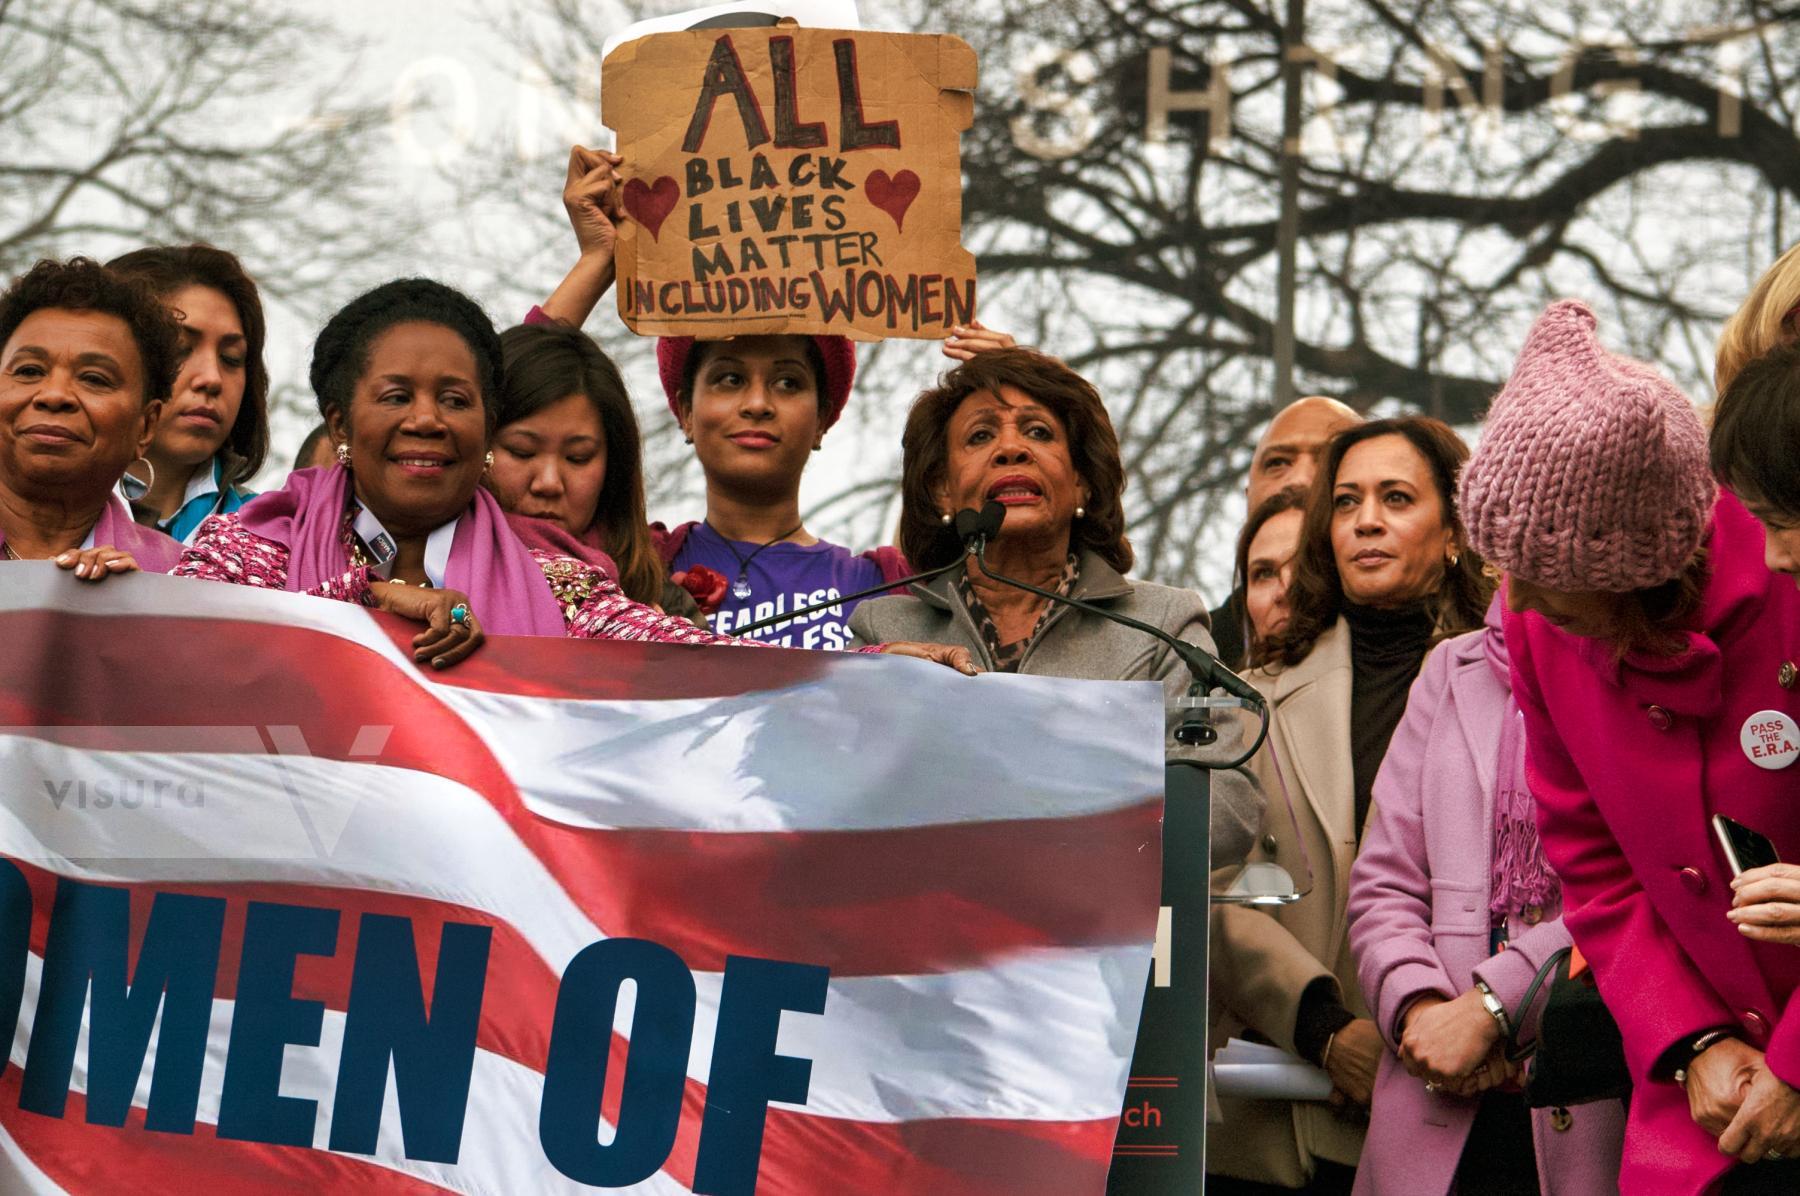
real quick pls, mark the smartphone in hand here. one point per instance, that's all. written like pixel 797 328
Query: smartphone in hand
pixel 1744 848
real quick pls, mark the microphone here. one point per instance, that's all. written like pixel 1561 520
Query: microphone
pixel 976 529
pixel 973 528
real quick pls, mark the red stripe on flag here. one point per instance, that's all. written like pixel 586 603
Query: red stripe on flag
pixel 103 672
pixel 801 1154
pixel 934 1157
pixel 102 1159
pixel 903 901
pixel 908 901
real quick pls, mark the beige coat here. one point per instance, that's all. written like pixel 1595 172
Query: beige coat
pixel 1263 961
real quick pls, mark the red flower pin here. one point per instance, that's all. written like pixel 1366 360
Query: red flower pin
pixel 706 585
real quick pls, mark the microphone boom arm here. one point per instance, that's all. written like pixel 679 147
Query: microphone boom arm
pixel 1206 670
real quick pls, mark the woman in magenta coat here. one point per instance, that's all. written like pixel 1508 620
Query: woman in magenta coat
pixel 1450 893
pixel 1648 649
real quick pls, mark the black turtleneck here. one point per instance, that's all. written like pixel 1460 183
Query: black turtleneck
pixel 1386 649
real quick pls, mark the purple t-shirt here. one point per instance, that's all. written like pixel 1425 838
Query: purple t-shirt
pixel 782 577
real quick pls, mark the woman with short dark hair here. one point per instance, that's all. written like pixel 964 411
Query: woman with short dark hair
pixel 214 433
pixel 87 359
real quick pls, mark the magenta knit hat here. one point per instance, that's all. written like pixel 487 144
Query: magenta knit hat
pixel 838 353
pixel 1591 472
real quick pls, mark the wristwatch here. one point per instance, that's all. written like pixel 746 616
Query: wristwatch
pixel 1696 1048
pixel 1495 1009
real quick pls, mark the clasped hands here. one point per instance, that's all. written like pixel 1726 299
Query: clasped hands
pixel 1731 1092
pixel 1455 1045
pixel 1734 1096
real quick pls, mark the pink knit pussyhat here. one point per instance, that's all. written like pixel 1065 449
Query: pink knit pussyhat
pixel 1591 472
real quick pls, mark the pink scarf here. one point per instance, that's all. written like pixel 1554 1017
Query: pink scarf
pixel 506 588
pixel 547 536
pixel 1519 875
pixel 153 551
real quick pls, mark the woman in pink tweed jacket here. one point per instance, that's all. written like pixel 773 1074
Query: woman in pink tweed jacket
pixel 1449 865
pixel 400 522
pixel 1648 644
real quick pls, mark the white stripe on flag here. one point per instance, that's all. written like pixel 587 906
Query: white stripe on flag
pixel 19 1176
pixel 810 757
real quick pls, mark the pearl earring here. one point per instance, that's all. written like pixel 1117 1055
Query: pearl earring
pixel 343 455
pixel 945 519
pixel 487 462
pixel 1080 511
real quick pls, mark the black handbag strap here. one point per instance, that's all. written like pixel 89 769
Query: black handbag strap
pixel 1554 968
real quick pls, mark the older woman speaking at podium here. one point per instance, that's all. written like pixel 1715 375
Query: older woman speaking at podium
pixel 1022 429
pixel 87 359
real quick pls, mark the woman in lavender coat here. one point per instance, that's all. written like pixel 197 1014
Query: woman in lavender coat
pixel 1451 892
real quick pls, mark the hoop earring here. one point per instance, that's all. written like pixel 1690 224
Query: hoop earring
pixel 343 455
pixel 149 465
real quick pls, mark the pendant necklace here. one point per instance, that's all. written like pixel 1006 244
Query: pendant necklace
pixel 740 589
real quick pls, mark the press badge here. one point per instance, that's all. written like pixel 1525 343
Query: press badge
pixel 375 539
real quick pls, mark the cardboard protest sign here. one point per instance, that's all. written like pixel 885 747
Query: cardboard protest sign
pixel 788 180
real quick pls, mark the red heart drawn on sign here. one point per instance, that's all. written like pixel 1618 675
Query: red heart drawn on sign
pixel 892 195
pixel 650 206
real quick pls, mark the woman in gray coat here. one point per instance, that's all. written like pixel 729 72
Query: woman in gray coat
pixel 1022 429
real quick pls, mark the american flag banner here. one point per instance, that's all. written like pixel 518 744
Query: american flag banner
pixel 281 912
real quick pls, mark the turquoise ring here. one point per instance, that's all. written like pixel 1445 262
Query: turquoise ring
pixel 459 614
